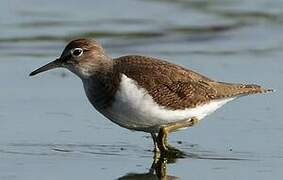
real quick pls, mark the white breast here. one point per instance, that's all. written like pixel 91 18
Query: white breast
pixel 134 108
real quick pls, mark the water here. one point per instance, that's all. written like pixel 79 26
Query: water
pixel 48 130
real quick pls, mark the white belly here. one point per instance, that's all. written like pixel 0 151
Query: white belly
pixel 135 109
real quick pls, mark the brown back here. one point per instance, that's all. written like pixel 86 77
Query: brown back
pixel 175 87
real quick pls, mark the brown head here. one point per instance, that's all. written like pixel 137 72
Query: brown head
pixel 83 57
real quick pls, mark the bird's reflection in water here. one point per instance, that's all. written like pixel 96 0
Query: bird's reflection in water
pixel 158 171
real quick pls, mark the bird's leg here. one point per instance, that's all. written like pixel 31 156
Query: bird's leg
pixel 154 138
pixel 170 127
pixel 156 149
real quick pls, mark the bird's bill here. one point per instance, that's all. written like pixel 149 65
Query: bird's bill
pixel 51 65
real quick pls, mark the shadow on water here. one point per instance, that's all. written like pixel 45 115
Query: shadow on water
pixel 122 149
pixel 157 170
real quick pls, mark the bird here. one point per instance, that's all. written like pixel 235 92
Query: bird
pixel 143 93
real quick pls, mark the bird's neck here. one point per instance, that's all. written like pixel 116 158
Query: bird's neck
pixel 101 87
pixel 97 65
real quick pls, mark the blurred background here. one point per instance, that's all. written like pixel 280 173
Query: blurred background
pixel 48 129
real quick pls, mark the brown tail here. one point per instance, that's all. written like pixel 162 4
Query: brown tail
pixel 253 88
pixel 233 90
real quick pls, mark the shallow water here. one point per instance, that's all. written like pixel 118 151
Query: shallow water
pixel 48 130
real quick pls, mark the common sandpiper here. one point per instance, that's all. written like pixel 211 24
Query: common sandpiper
pixel 145 93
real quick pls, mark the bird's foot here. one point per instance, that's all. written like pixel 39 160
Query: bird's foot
pixel 171 154
pixel 161 140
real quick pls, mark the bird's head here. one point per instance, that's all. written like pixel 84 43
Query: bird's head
pixel 83 57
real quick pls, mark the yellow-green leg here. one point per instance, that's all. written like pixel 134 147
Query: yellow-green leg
pixel 162 138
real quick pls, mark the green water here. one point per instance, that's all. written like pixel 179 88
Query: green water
pixel 48 130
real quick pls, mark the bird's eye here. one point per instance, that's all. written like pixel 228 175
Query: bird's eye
pixel 76 52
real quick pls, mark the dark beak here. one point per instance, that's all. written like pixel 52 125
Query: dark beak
pixel 54 64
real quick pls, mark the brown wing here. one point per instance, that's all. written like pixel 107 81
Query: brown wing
pixel 173 86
